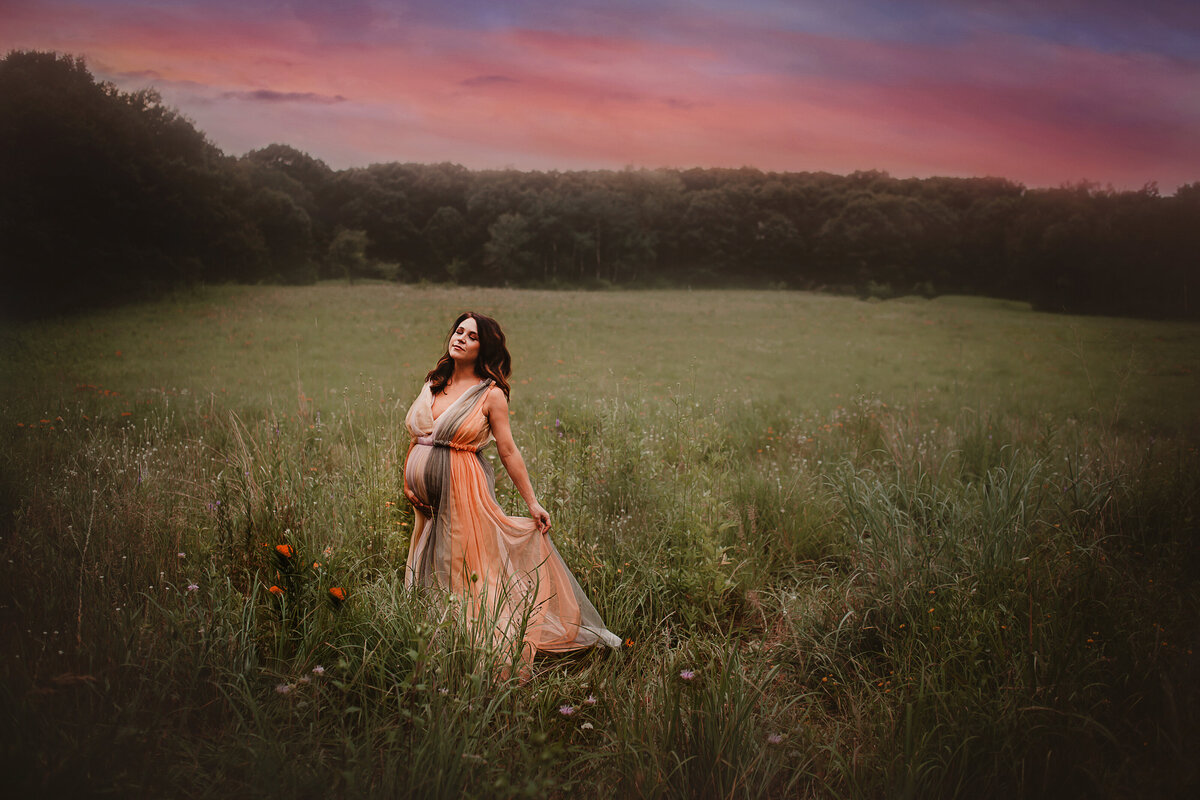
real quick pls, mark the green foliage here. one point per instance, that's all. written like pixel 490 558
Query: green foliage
pixel 506 253
pixel 348 253
pixel 103 192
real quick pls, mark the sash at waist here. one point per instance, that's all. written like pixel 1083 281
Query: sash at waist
pixel 431 442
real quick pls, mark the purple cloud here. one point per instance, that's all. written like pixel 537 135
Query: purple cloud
pixel 271 96
pixel 487 80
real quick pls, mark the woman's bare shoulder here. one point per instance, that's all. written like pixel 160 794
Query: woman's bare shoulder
pixel 495 399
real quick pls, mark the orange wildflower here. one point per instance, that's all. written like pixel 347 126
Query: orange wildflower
pixel 338 593
pixel 275 590
pixel 285 550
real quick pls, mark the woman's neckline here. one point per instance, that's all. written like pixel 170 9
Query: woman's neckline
pixel 466 391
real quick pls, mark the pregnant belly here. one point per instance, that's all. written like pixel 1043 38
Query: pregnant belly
pixel 423 474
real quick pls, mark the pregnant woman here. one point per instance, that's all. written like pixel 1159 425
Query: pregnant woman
pixel 506 568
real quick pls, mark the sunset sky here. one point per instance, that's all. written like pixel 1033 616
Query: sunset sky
pixel 1040 91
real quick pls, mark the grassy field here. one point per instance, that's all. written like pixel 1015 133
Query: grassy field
pixel 904 549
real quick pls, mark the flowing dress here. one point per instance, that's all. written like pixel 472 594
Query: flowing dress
pixel 463 542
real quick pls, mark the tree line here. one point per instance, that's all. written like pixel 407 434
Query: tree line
pixel 109 196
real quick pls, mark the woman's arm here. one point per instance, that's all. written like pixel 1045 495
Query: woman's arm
pixel 496 408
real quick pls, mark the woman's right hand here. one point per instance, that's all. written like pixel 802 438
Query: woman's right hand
pixel 541 517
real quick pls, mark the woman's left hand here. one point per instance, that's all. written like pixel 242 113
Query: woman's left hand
pixel 541 517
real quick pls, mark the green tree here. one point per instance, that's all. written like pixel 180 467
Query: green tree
pixel 114 194
pixel 445 237
pixel 348 254
pixel 709 234
pixel 506 257
pixel 287 232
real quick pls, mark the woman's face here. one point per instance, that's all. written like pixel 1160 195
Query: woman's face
pixel 464 342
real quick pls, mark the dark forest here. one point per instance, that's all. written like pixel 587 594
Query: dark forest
pixel 109 196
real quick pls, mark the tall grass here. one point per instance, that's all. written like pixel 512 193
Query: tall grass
pixel 924 593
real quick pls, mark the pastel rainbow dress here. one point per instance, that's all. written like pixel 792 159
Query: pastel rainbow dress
pixel 463 541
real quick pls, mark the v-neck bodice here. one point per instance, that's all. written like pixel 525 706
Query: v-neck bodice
pixel 453 403
pixel 421 421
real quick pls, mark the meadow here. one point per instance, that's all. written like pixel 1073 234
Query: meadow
pixel 914 548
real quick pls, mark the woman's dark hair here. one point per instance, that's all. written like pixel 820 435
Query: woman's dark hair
pixel 493 361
